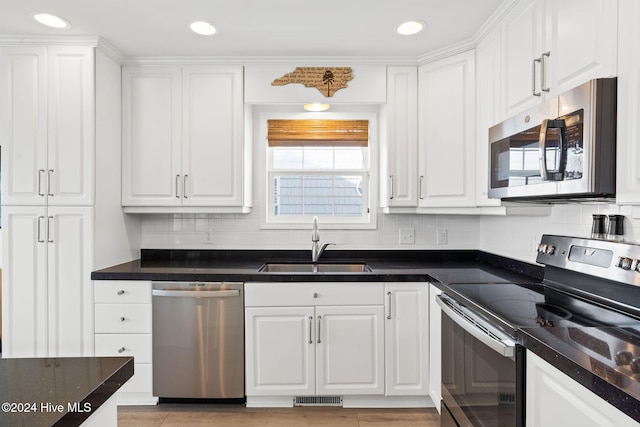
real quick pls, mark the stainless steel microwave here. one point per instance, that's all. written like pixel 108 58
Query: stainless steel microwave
pixel 563 148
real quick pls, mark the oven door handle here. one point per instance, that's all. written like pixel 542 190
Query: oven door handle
pixel 503 347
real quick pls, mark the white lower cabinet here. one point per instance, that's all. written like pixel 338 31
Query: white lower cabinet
pixel 328 340
pixel 554 399
pixel 123 328
pixel 407 339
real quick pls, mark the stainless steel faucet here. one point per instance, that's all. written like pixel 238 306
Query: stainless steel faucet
pixel 316 250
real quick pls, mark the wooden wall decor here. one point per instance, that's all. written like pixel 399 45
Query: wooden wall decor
pixel 327 80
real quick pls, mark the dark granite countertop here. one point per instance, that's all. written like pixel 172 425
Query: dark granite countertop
pixel 447 266
pixel 586 354
pixel 58 391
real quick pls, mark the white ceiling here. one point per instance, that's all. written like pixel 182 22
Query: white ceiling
pixel 258 28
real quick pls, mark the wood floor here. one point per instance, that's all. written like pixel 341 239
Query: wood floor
pixel 178 415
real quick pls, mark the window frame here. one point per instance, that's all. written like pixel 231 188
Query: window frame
pixel 366 221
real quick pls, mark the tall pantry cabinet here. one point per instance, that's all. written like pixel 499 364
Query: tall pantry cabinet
pixel 48 137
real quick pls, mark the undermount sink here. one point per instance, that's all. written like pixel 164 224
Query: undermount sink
pixel 295 267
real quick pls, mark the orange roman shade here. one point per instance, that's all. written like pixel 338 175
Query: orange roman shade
pixel 318 133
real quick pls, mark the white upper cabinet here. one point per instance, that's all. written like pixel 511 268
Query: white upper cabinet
pixel 47 125
pixel 447 132
pixel 552 46
pixel 399 148
pixel 183 138
pixel 628 147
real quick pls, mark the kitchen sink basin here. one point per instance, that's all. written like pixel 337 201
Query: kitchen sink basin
pixel 295 267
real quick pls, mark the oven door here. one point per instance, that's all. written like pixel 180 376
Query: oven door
pixel 482 371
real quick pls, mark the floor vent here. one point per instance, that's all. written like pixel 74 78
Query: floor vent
pixel 317 401
pixel 507 398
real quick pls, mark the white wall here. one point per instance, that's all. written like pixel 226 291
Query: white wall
pixel 517 237
pixel 242 232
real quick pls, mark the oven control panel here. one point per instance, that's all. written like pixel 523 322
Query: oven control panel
pixel 602 258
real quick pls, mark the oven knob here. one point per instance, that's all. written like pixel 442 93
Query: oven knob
pixel 542 248
pixel 638 265
pixel 550 250
pixel 635 365
pixel 623 358
pixel 625 263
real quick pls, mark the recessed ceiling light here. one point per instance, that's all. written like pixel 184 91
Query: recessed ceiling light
pixel 316 106
pixel 410 27
pixel 203 28
pixel 52 21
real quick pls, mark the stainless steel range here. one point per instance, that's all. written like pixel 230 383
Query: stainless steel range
pixel 589 301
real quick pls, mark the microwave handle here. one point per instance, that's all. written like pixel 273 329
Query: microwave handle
pixel 558 174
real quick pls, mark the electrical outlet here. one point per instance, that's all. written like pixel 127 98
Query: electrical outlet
pixel 208 237
pixel 442 236
pixel 407 237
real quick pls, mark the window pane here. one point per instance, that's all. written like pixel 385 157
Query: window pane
pixel 349 158
pixel 318 158
pixel 285 158
pixel 323 195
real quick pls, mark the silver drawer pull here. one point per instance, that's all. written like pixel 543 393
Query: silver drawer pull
pixel 319 325
pixel 122 319
pixel 310 329
pixel 121 350
pixel 389 312
pixel 121 292
pixel 315 295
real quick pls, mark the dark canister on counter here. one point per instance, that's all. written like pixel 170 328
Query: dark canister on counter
pixel 615 229
pixel 599 228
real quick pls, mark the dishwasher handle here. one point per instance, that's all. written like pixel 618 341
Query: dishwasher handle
pixel 195 294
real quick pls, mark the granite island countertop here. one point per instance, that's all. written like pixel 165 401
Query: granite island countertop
pixel 43 392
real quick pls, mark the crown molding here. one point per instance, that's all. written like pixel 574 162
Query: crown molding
pixel 110 50
pixel 49 40
pixel 269 60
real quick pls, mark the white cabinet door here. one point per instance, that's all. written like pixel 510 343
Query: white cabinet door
pixel 70 294
pixel 582 39
pixel 407 339
pixel 399 183
pixel 24 282
pixel 554 399
pixel 435 347
pixel 628 148
pixel 447 132
pixel 350 350
pixel 47 112
pixel 151 136
pixel 522 44
pixel 551 46
pixel 71 136
pixel 47 296
pixel 23 125
pixel 280 349
pixel 212 146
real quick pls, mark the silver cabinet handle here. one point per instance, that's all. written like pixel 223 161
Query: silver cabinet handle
pixel 389 301
pixel 533 76
pixel 420 187
pixel 49 239
pixel 315 295
pixel 49 172
pixel 310 329
pixel 121 350
pixel 319 325
pixel 40 172
pixel 543 72
pixel 391 180
pixel 184 186
pixel 122 319
pixel 177 186
pixel 121 292
pixel 40 239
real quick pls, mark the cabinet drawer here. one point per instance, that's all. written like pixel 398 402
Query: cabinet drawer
pixel 313 293
pixel 141 381
pixel 123 318
pixel 136 345
pixel 122 291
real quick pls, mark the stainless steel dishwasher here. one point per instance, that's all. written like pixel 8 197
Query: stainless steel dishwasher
pixel 198 340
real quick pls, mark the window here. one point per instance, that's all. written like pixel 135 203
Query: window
pixel 318 168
